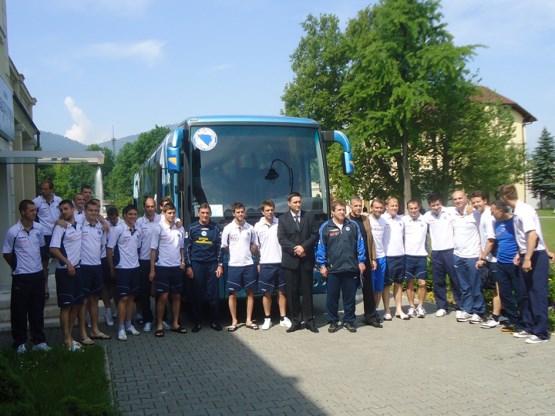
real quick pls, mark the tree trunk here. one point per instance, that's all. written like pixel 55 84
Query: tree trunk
pixel 407 192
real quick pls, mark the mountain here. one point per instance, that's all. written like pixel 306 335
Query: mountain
pixel 53 142
pixel 119 142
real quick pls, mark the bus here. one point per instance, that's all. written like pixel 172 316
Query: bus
pixel 224 159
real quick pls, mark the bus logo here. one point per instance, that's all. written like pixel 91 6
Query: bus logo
pixel 205 139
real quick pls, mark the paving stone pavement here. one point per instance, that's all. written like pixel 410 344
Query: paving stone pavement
pixel 430 366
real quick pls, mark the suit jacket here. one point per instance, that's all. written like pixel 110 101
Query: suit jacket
pixel 289 237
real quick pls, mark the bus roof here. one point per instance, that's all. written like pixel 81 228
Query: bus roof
pixel 253 120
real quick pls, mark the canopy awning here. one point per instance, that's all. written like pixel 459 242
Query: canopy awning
pixel 50 158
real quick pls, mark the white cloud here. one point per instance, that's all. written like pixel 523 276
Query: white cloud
pixel 148 51
pixel 82 130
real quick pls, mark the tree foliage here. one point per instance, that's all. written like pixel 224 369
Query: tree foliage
pixel 542 176
pixel 395 80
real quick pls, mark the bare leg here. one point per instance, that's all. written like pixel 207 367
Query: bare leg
pixel 232 302
pixel 81 320
pixel 64 323
pixel 176 305
pixel 267 303
pixel 398 296
pixel 122 309
pixel 410 292
pixel 160 306
pixel 250 305
pixel 422 292
pixel 377 298
pixel 282 302
pixel 93 312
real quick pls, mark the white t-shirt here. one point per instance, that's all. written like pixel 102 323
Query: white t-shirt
pixel 416 233
pixel 267 241
pixel 93 239
pixel 128 243
pixel 378 228
pixel 239 239
pixel 146 226
pixel 441 228
pixel 466 235
pixel 25 246
pixel 526 220
pixel 169 242
pixel 71 244
pixel 487 231
pixel 393 235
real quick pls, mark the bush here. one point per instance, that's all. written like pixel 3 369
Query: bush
pixel 15 398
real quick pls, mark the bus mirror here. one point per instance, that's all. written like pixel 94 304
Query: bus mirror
pixel 348 164
pixel 347 161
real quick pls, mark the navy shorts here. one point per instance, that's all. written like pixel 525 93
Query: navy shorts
pixel 45 250
pixel 169 279
pixel 241 278
pixel 416 267
pixel 128 281
pixel 106 274
pixel 395 272
pixel 69 288
pixel 271 277
pixel 92 279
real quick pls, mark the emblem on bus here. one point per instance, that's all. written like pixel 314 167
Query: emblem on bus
pixel 205 139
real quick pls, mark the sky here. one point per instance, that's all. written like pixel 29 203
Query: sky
pixel 124 66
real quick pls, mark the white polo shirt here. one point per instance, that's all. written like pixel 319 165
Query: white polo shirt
pixel 168 240
pixel 239 239
pixel 25 246
pixel 486 230
pixel 267 241
pixel 47 213
pixel 393 235
pixel 466 235
pixel 526 220
pixel 93 240
pixel 128 243
pixel 441 228
pixel 79 215
pixel 147 226
pixel 68 240
pixel 378 228
pixel 416 233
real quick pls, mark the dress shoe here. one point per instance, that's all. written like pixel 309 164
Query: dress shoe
pixel 311 326
pixel 334 327
pixel 215 326
pixel 294 327
pixel 196 328
pixel 349 327
pixel 372 321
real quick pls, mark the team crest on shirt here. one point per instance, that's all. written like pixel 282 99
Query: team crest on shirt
pixel 347 228
pixel 204 233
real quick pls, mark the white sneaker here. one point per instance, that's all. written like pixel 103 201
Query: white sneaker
pixel 122 336
pixel 403 316
pixel 490 323
pixel 109 319
pixel 147 327
pixel 286 322
pixel 441 312
pixel 22 348
pixel 420 312
pixel 412 312
pixel 387 317
pixel 75 346
pixel 459 314
pixel 165 325
pixel 43 346
pixel 475 319
pixel 464 317
pixel 267 324
pixel 131 330
pixel 522 334
pixel 535 340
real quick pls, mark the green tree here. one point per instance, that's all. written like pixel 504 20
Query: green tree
pixel 542 176
pixel 405 97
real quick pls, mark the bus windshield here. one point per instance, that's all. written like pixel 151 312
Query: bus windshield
pixel 251 163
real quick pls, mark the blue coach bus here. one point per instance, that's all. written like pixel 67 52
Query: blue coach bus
pixel 224 159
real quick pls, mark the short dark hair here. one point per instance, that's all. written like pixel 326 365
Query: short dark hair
pixel 501 205
pixel 414 201
pixel 86 187
pixel 128 208
pixel 293 195
pixel 48 182
pixel 237 205
pixel 91 202
pixel 376 200
pixel 337 203
pixel 205 205
pixel 508 191
pixel 23 205
pixel 433 197
pixel 112 211
pixel 169 206
pixel 267 203
pixel 479 194
pixel 66 202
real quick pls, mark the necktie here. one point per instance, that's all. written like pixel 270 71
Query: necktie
pixel 297 222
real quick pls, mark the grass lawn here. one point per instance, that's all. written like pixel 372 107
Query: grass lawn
pixel 548 229
pixel 60 382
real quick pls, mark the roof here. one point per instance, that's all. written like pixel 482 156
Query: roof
pixel 491 96
pixel 253 120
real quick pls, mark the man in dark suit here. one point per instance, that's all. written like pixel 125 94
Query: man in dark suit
pixel 297 235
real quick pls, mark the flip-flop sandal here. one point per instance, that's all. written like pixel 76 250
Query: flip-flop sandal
pixel 87 341
pixel 159 333
pixel 232 328
pixel 101 335
pixel 179 330
pixel 252 326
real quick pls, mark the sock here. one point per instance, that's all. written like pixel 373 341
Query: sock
pixel 121 326
pixel 108 311
pixel 495 317
pixel 127 324
pixel 281 318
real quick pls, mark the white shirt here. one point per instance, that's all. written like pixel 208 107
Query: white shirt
pixel 169 242
pixel 526 220
pixel 378 228
pixel 267 241
pixel 79 216
pixel 47 213
pixel 146 226
pixel 393 235
pixel 466 235
pixel 93 239
pixel 441 228
pixel 25 247
pixel 487 231
pixel 68 240
pixel 128 243
pixel 416 233
pixel 239 240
